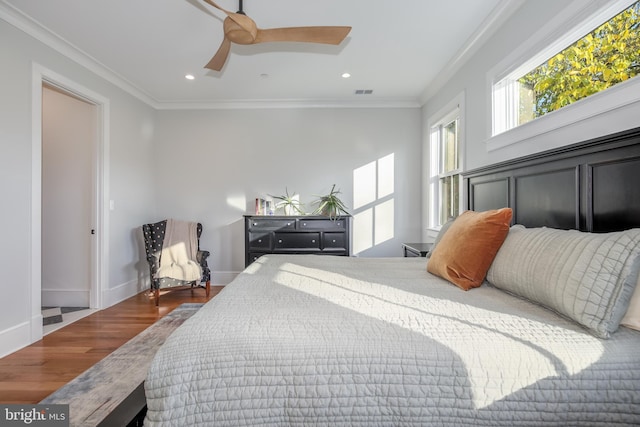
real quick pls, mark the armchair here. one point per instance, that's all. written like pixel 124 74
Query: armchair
pixel 192 272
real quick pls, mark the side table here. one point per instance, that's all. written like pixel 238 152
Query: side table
pixel 416 249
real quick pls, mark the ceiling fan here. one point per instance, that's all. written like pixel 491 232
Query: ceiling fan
pixel 240 29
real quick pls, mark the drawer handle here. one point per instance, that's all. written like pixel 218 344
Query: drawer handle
pixel 288 223
pixel 334 240
pixel 313 240
pixel 279 240
pixel 255 223
pixel 338 223
pixel 260 240
pixel 304 224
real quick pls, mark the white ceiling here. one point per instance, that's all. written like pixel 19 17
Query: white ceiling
pixel 396 48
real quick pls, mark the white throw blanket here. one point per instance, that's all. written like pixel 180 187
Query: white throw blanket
pixel 179 249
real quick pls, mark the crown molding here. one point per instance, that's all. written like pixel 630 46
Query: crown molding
pixel 34 29
pixel 489 26
pixel 253 104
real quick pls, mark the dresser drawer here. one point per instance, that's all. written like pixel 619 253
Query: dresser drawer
pixel 300 240
pixel 322 224
pixel 259 240
pixel 334 241
pixel 291 235
pixel 254 256
pixel 272 224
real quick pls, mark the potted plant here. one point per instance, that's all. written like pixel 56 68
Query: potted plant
pixel 290 204
pixel 330 204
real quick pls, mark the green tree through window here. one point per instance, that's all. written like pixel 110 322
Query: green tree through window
pixel 603 58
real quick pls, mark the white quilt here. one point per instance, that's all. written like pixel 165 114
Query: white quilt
pixel 337 341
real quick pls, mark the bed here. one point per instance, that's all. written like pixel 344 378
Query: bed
pixel 347 341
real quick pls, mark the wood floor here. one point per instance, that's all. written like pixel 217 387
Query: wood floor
pixel 31 374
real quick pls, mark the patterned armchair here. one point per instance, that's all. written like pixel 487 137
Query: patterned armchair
pixel 153 242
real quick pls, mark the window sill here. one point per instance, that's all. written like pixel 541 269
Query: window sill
pixel 618 96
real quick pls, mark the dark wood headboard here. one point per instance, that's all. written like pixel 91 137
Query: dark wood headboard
pixel 590 186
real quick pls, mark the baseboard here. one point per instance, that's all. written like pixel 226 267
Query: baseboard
pixel 133 287
pixel 36 327
pixel 65 298
pixel 16 337
pixel 19 336
pixel 121 292
pixel 221 278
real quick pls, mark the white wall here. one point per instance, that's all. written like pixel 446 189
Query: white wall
pixel 211 165
pixel 130 179
pixel 472 79
pixel 68 141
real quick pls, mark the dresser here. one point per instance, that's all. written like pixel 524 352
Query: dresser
pixel 295 235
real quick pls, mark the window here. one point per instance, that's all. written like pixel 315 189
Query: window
pixel 445 149
pixel 605 56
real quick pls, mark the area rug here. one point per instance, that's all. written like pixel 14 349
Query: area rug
pixel 111 392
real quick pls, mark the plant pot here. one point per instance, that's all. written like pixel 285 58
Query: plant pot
pixel 331 212
pixel 289 210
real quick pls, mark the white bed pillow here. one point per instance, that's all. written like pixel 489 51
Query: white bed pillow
pixel 632 318
pixel 588 277
pixel 443 230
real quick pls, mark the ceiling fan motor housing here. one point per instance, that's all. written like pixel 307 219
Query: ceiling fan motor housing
pixel 243 32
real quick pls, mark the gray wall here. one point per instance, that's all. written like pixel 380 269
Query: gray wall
pixel 212 164
pixel 130 182
pixel 205 165
pixel 472 80
pixel 209 165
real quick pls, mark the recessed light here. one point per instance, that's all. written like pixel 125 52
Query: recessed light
pixel 346 75
pixel 189 77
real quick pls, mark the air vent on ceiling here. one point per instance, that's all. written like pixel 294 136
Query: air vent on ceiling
pixel 364 91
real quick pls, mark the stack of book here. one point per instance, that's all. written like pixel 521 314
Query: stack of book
pixel 264 206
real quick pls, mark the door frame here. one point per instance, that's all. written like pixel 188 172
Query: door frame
pixel 100 192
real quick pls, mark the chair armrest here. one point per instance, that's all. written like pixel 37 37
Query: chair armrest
pixel 154 264
pixel 202 256
pixel 202 260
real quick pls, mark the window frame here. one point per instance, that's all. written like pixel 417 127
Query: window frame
pixel 454 109
pixel 580 17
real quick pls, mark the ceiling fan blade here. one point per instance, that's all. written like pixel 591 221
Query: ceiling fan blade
pixel 326 35
pixel 218 60
pixel 243 22
pixel 212 3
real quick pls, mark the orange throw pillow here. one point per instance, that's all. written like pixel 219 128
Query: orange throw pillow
pixel 468 248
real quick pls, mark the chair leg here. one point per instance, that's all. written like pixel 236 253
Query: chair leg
pixel 157 295
pixel 208 287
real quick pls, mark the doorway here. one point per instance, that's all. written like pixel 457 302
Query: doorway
pixel 79 277
pixel 69 135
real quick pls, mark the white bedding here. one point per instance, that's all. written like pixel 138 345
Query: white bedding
pixel 314 340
